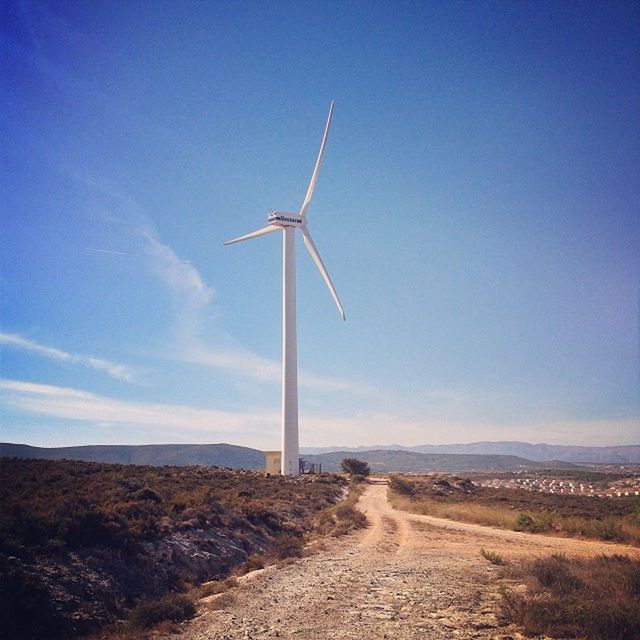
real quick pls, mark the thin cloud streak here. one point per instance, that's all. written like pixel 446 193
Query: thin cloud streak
pixel 109 251
pixel 115 370
pixel 192 299
pixel 261 427
pixel 246 363
pixel 179 275
pixel 78 405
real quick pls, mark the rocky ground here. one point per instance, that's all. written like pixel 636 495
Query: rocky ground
pixel 406 576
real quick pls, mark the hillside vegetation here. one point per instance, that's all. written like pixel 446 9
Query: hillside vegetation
pixel 81 543
pixel 624 454
pixel 450 497
pixel 595 598
pixel 221 455
pixel 389 461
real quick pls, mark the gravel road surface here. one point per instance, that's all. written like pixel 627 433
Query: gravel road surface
pixel 405 577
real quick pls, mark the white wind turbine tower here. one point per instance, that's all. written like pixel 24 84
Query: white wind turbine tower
pixel 287 222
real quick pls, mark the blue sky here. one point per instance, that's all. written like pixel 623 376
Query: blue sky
pixel 477 210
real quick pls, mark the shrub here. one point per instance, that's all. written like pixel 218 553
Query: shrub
pixel 349 518
pixel 608 529
pixel 635 517
pixel 355 467
pixel 222 601
pixel 493 557
pixel 174 607
pixel 524 522
pixel 213 588
pixel 253 562
pixel 148 494
pixel 286 545
pixel 594 598
pixel 401 486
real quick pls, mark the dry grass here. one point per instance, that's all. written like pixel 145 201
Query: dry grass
pixel 477 514
pixel 519 510
pixel 576 598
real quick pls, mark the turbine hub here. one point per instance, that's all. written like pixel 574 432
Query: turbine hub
pixel 285 219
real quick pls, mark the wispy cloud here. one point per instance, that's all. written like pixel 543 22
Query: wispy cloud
pixel 192 296
pixel 193 310
pixel 252 428
pixel 74 404
pixel 179 275
pixel 239 360
pixel 109 251
pixel 115 370
pixel 261 427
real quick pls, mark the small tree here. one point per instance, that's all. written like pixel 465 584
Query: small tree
pixel 355 467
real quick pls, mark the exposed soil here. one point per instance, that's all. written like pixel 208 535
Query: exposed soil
pixel 405 577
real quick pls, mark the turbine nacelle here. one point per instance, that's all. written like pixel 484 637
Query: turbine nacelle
pixel 280 220
pixel 285 219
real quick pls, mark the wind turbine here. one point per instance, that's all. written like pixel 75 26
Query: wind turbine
pixel 288 222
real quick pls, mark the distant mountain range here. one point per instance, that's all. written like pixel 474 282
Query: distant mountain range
pixel 479 456
pixel 624 454
pixel 225 455
pixel 219 455
pixel 385 460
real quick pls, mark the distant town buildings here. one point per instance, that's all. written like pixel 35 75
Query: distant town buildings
pixel 603 489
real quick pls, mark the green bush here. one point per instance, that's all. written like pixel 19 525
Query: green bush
pixel 493 557
pixel 524 522
pixel 174 607
pixel 401 486
pixel 355 467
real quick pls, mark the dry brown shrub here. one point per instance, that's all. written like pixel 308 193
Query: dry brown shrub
pixel 595 598
pixel 212 588
pixel 174 607
pixel 223 601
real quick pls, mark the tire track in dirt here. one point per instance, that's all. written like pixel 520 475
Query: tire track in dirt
pixel 406 577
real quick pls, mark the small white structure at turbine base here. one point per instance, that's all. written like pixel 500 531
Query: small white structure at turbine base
pixel 287 222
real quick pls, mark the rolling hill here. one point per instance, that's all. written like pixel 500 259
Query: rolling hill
pixel 384 460
pixel 623 454
pixel 235 457
pixel 219 455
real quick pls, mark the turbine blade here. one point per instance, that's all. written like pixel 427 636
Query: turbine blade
pixel 316 168
pixel 308 241
pixel 254 234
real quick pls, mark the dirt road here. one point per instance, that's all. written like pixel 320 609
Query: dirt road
pixel 406 576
